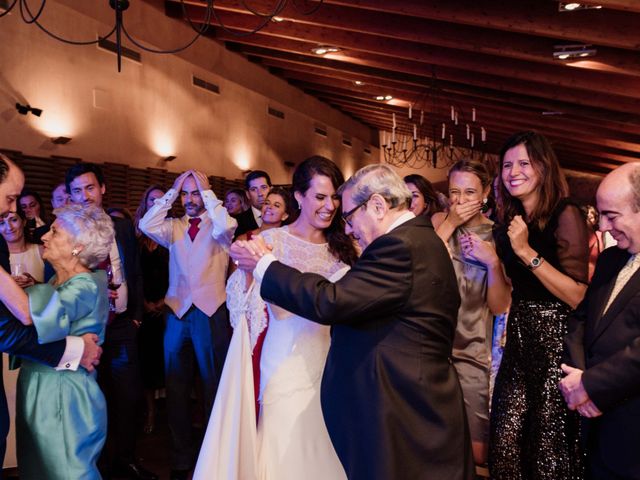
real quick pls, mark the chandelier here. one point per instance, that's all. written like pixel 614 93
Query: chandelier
pixel 435 133
pixel 119 28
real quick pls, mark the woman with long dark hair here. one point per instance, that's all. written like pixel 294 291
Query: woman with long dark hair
pixel 292 439
pixel 542 241
pixel 424 199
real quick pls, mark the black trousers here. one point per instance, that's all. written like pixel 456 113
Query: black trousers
pixel 119 378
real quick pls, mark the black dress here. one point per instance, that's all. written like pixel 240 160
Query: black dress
pixel 533 434
pixel 155 274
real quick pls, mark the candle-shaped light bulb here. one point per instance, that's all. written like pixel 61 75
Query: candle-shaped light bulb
pixel 473 114
pixel 450 141
pixel 483 134
pixel 421 117
pixel 468 131
pixel 473 140
pixel 456 119
pixel 415 132
pixel 453 113
pixel 393 136
pixel 444 130
pixel 410 112
pixel 394 120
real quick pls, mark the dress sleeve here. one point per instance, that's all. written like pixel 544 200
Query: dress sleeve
pixel 573 244
pixel 54 309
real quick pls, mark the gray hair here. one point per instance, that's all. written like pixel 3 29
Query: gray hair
pixel 90 227
pixel 380 179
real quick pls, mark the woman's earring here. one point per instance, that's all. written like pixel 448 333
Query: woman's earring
pixel 485 205
pixel 75 252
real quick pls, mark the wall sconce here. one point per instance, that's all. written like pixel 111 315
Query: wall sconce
pixel 24 109
pixel 60 140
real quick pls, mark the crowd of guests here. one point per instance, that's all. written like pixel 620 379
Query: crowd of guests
pixel 376 363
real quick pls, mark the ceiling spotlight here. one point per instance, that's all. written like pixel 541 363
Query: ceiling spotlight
pixel 573 6
pixel 324 49
pixel 24 109
pixel 358 83
pixel 388 97
pixel 567 52
pixel 60 140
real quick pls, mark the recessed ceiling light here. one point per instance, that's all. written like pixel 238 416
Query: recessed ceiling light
pixel 566 52
pixel 359 83
pixel 277 19
pixel 380 98
pixel 573 6
pixel 324 49
pixel 388 97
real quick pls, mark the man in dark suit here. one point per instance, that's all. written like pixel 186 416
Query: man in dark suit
pixel 18 339
pixel 602 348
pixel 390 394
pixel 119 373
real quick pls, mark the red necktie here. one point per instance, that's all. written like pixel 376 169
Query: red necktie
pixel 193 228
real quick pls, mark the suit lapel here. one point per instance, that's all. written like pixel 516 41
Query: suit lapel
pixel 618 304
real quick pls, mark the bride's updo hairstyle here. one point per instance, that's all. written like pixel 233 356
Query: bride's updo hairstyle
pixel 340 244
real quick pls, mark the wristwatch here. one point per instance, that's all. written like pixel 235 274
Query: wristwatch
pixel 535 262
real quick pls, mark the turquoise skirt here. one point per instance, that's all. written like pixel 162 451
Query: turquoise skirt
pixel 61 423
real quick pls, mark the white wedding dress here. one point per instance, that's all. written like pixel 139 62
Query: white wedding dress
pixel 292 442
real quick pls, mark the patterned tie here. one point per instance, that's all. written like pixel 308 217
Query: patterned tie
pixel 193 228
pixel 623 277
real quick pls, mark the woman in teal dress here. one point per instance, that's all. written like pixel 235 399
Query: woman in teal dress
pixel 61 416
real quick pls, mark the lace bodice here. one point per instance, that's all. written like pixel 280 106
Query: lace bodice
pixel 295 349
pixel 290 250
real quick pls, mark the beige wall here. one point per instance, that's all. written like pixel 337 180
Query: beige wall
pixel 152 110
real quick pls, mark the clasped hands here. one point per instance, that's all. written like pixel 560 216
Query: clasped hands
pixel 247 253
pixel 574 393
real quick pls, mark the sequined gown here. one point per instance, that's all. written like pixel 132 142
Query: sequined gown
pixel 533 434
pixel 472 342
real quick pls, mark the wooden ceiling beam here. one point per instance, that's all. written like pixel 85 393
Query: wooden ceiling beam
pixel 368 49
pixel 486 108
pixel 361 62
pixel 329 20
pixel 379 83
pixel 532 17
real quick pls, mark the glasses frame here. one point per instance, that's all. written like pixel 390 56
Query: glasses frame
pixel 346 215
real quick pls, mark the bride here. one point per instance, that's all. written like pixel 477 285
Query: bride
pixel 292 440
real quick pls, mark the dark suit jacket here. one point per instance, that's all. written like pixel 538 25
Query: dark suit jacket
pixel 17 339
pixel 607 348
pixel 128 248
pixel 390 395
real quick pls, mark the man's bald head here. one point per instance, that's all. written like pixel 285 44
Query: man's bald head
pixel 618 199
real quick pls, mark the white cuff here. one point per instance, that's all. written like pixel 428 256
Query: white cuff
pixel 262 265
pixel 72 354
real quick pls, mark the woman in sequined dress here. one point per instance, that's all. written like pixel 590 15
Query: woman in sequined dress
pixel 484 291
pixel 543 243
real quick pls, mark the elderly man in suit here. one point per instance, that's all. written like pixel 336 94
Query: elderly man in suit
pixel 602 348
pixel 390 394
pixel 18 339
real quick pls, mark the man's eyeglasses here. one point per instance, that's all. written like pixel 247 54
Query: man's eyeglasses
pixel 346 215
